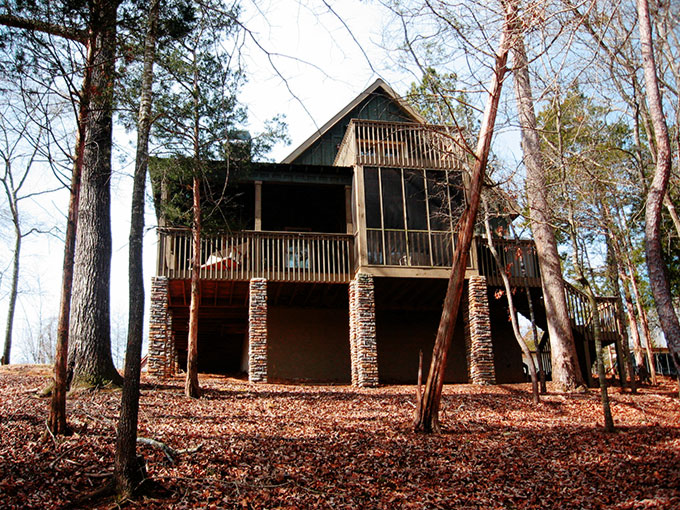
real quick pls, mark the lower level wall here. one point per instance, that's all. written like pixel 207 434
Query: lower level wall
pixel 506 350
pixel 308 344
pixel 402 334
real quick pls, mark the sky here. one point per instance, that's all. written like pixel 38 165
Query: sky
pixel 318 67
pixel 303 61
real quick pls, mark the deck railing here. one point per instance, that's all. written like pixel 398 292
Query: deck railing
pixel 277 256
pixel 581 315
pixel 399 144
pixel 518 259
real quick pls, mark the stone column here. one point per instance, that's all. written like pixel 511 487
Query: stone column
pixel 478 343
pixel 363 345
pixel 353 331
pixel 257 331
pixel 162 355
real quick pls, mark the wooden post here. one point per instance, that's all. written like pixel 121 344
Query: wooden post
pixel 258 205
pixel 348 209
pixel 361 216
pixel 589 363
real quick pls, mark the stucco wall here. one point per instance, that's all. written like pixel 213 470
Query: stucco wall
pixel 308 344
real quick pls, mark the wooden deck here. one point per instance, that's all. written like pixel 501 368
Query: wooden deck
pixel 276 256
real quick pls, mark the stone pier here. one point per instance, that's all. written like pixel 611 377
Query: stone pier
pixel 257 331
pixel 162 357
pixel 479 348
pixel 363 345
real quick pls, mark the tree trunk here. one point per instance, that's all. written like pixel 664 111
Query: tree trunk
pixel 90 361
pixel 57 416
pixel 427 419
pixel 658 279
pixel 633 323
pixel 532 318
pixel 511 307
pixel 565 368
pixel 191 387
pixel 13 291
pixel 614 273
pixel 12 294
pixel 601 376
pixel 127 471
pixel 642 314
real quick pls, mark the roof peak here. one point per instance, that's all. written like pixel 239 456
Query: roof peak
pixel 379 83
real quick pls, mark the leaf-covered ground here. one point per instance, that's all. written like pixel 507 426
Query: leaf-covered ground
pixel 292 446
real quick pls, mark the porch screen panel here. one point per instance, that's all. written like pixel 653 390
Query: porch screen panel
pixel 416 218
pixel 416 209
pixel 372 193
pixel 408 216
pixel 395 247
pixel 438 200
pixel 374 247
pixel 392 198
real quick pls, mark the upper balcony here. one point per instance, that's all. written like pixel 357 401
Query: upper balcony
pixel 399 144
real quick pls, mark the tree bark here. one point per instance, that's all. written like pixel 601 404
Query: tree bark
pixel 90 358
pixel 191 387
pixel 642 314
pixel 127 472
pixel 427 419
pixel 5 360
pixel 614 271
pixel 532 318
pixel 511 307
pixel 601 376
pixel 57 416
pixel 565 368
pixel 658 278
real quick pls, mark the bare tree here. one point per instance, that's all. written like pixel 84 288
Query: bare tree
pixel 658 278
pixel 94 26
pixel 511 305
pixel 565 367
pixel 427 419
pixel 20 142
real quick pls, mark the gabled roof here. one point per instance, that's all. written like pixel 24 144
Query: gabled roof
pixel 374 87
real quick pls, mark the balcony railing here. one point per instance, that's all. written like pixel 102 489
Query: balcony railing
pixel 581 315
pixel 277 256
pixel 399 144
pixel 518 259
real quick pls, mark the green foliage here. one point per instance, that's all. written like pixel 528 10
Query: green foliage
pixel 591 175
pixel 439 100
pixel 198 123
pixel 172 180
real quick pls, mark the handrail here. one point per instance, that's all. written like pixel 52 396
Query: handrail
pixel 277 256
pixel 580 312
pixel 520 260
pixel 399 144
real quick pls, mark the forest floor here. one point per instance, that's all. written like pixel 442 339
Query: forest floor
pixel 311 446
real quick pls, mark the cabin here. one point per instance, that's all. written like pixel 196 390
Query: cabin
pixel 333 264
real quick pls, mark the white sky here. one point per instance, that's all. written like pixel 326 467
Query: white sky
pixel 324 70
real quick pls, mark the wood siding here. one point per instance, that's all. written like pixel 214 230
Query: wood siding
pixel 376 107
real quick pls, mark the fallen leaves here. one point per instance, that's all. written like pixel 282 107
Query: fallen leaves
pixel 287 446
